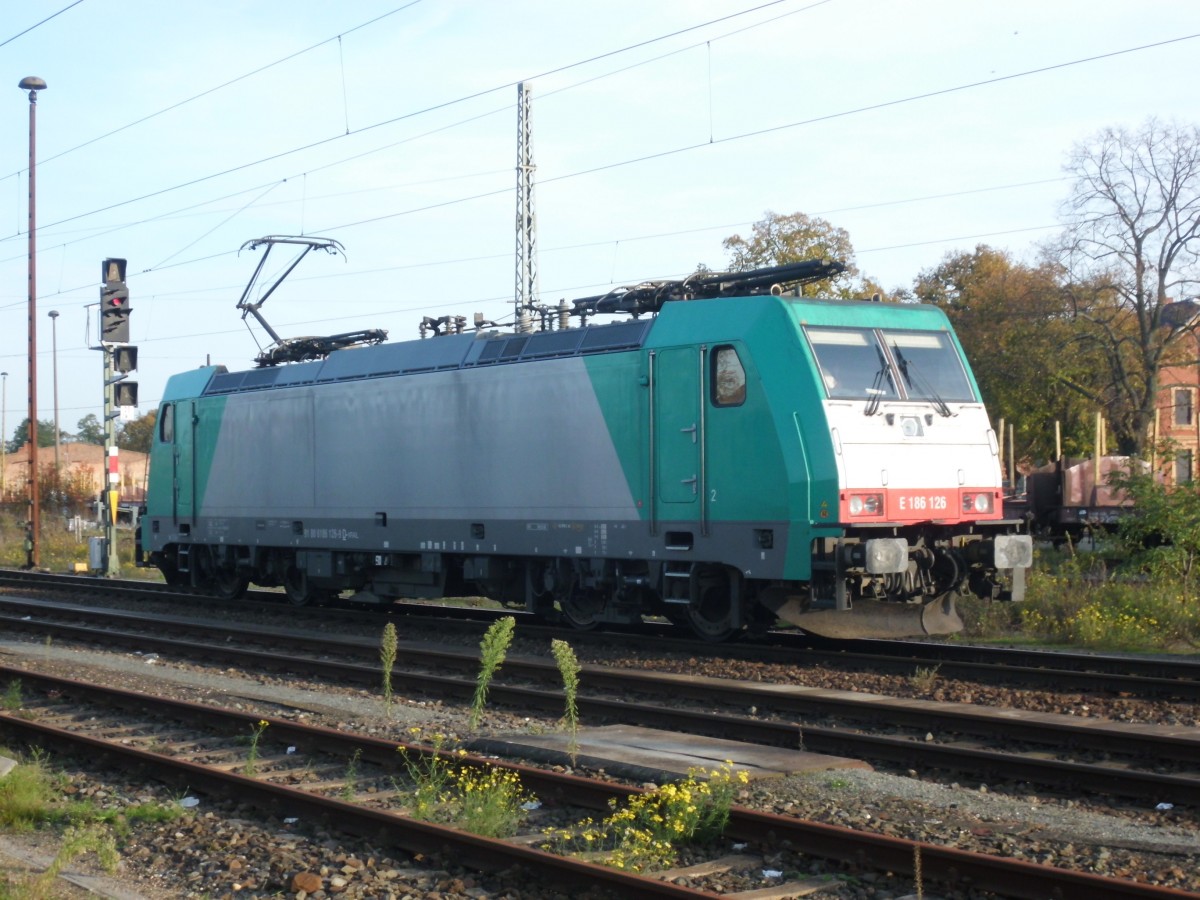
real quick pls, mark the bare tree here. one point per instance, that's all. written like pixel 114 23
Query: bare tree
pixel 1131 244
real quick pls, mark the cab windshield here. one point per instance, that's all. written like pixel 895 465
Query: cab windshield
pixel 879 365
pixel 930 366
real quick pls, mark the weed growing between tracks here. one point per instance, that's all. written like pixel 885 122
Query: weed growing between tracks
pixel 387 657
pixel 350 786
pixel 12 696
pixel 493 649
pixel 569 668
pixel 648 831
pixel 250 768
pixel 76 842
pixel 924 678
pixel 487 801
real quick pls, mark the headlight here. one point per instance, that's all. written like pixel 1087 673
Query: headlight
pixel 866 504
pixel 977 503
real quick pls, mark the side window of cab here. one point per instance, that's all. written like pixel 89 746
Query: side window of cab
pixel 728 377
pixel 166 423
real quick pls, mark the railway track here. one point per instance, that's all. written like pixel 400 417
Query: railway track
pixel 196 746
pixel 1161 676
pixel 1053 752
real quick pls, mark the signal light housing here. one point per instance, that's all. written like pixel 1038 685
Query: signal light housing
pixel 114 303
pixel 125 393
pixel 125 358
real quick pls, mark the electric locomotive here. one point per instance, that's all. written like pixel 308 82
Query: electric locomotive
pixel 725 456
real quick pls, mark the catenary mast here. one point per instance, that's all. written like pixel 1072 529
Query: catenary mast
pixel 527 280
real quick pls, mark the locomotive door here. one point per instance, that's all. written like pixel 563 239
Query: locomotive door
pixel 678 431
pixel 185 459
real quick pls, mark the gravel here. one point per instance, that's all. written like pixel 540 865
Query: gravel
pixel 227 852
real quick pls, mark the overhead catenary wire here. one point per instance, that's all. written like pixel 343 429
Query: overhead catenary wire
pixel 746 135
pixel 661 154
pixel 631 239
pixel 735 137
pixel 40 24
pixel 223 85
pixel 391 121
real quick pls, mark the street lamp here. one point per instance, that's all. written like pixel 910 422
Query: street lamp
pixel 53 314
pixel 33 85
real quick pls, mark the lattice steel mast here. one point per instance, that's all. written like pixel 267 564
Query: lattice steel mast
pixel 527 280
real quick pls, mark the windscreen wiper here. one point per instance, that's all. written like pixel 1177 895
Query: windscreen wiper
pixel 876 390
pixel 924 388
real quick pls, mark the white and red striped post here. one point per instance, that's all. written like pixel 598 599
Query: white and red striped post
pixel 112 489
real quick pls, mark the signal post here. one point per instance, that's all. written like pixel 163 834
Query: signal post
pixel 120 358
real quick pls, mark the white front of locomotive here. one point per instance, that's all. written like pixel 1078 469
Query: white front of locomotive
pixel 911 439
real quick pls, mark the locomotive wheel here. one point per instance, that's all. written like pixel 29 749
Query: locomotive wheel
pixel 712 617
pixel 229 585
pixel 298 590
pixel 580 609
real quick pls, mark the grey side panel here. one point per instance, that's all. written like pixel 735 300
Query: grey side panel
pixel 264 455
pixel 447 445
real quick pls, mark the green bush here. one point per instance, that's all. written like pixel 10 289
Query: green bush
pixel 1083 599
pixel 1162 537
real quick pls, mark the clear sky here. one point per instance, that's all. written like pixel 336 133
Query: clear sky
pixel 172 133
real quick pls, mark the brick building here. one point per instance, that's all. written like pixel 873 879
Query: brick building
pixel 1176 418
pixel 83 472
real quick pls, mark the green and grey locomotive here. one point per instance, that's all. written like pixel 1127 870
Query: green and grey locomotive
pixel 726 456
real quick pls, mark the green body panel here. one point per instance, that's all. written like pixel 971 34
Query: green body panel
pixel 207 416
pixel 619 381
pixel 677 405
pixel 758 464
pixel 755 467
pixel 189 458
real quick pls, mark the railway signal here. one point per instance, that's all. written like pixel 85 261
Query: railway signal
pixel 114 303
pixel 120 358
